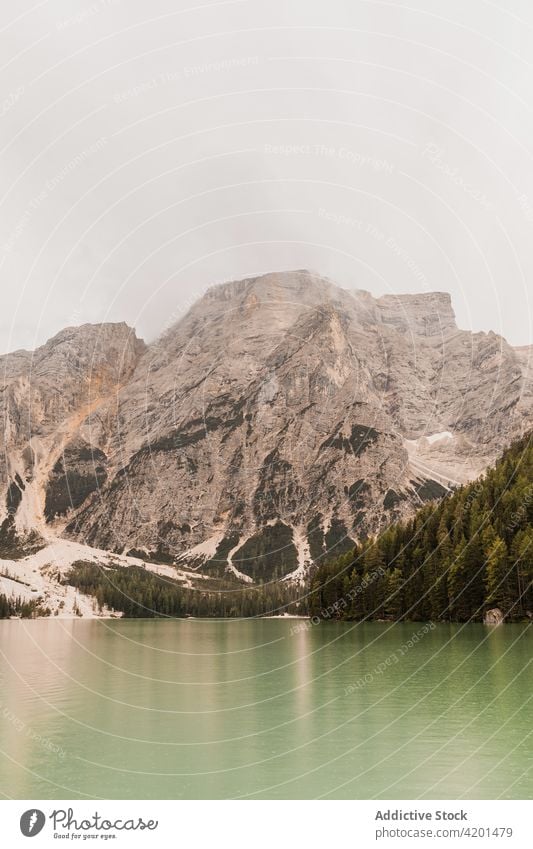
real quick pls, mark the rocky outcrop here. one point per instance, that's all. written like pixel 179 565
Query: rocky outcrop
pixel 51 458
pixel 425 315
pixel 493 617
pixel 278 421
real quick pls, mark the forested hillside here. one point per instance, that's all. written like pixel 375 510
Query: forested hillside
pixel 138 593
pixel 454 561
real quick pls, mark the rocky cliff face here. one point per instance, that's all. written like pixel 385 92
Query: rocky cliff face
pixel 279 420
pixel 49 463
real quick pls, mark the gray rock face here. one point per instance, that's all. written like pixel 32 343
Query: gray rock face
pixel 493 617
pixel 278 421
pixel 45 398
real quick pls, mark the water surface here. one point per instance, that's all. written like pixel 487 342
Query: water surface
pixel 264 709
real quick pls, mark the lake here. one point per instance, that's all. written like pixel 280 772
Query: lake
pixel 194 709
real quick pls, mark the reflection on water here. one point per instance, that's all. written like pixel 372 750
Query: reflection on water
pixel 264 709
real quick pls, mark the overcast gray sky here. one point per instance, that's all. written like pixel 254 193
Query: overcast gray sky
pixel 149 150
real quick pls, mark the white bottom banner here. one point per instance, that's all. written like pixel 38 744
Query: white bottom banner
pixel 264 825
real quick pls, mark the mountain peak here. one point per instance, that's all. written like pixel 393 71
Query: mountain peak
pixel 89 331
pixel 424 313
pixel 277 421
pixel 277 286
pixel 428 314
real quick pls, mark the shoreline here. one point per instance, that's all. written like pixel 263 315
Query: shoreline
pixel 288 618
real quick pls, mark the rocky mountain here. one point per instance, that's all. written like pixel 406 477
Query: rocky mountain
pixel 46 398
pixel 278 421
pixel 467 559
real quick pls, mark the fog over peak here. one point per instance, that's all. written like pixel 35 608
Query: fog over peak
pixel 150 153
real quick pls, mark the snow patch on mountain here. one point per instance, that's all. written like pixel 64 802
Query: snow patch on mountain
pixel 38 576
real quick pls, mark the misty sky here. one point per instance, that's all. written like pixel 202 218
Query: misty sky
pixel 149 150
